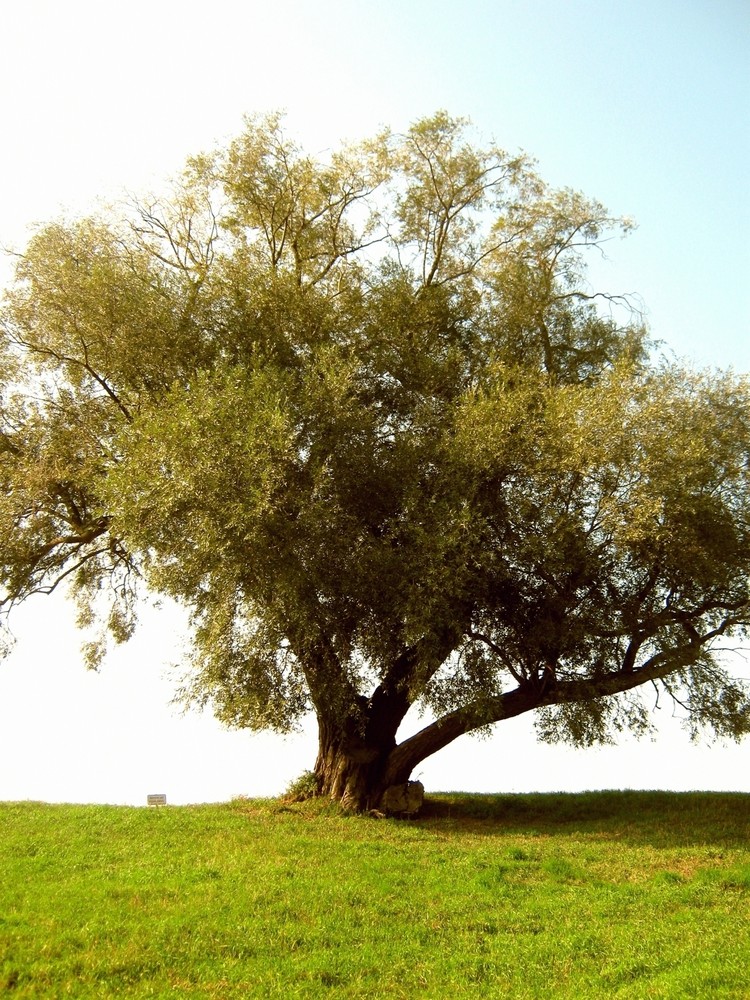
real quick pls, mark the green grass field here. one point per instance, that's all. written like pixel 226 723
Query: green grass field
pixel 612 894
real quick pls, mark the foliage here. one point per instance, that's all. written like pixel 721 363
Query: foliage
pixel 562 896
pixel 366 418
pixel 302 788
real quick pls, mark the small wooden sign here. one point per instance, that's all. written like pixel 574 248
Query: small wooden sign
pixel 157 800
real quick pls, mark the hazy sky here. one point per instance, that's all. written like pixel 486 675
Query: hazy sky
pixel 643 105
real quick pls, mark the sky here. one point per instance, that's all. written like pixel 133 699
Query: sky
pixel 642 104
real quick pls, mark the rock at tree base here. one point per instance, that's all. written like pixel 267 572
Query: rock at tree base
pixel 404 799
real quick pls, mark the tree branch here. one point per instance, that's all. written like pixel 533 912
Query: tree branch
pixel 527 697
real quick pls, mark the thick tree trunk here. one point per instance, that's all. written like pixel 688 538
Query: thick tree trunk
pixel 350 769
pixel 357 735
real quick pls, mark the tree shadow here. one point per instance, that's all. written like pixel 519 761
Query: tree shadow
pixel 661 819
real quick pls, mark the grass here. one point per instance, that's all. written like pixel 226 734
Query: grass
pixel 611 894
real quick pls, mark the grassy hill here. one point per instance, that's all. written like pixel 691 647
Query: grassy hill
pixel 612 894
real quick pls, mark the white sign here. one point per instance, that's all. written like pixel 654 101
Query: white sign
pixel 157 800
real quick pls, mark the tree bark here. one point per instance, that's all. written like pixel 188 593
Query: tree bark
pixel 349 769
pixel 354 749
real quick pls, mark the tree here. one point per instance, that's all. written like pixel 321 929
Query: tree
pixel 367 420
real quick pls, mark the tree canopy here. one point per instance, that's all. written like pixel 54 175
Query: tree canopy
pixel 366 417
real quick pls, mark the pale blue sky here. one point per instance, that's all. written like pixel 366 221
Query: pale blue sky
pixel 642 104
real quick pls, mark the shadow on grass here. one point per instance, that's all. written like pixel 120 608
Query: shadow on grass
pixel 664 819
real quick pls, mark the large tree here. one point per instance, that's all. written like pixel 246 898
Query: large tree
pixel 368 420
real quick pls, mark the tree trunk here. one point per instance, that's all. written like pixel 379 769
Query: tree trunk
pixel 349 769
pixel 356 743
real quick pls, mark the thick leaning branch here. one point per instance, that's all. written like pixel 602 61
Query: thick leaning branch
pixel 527 697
